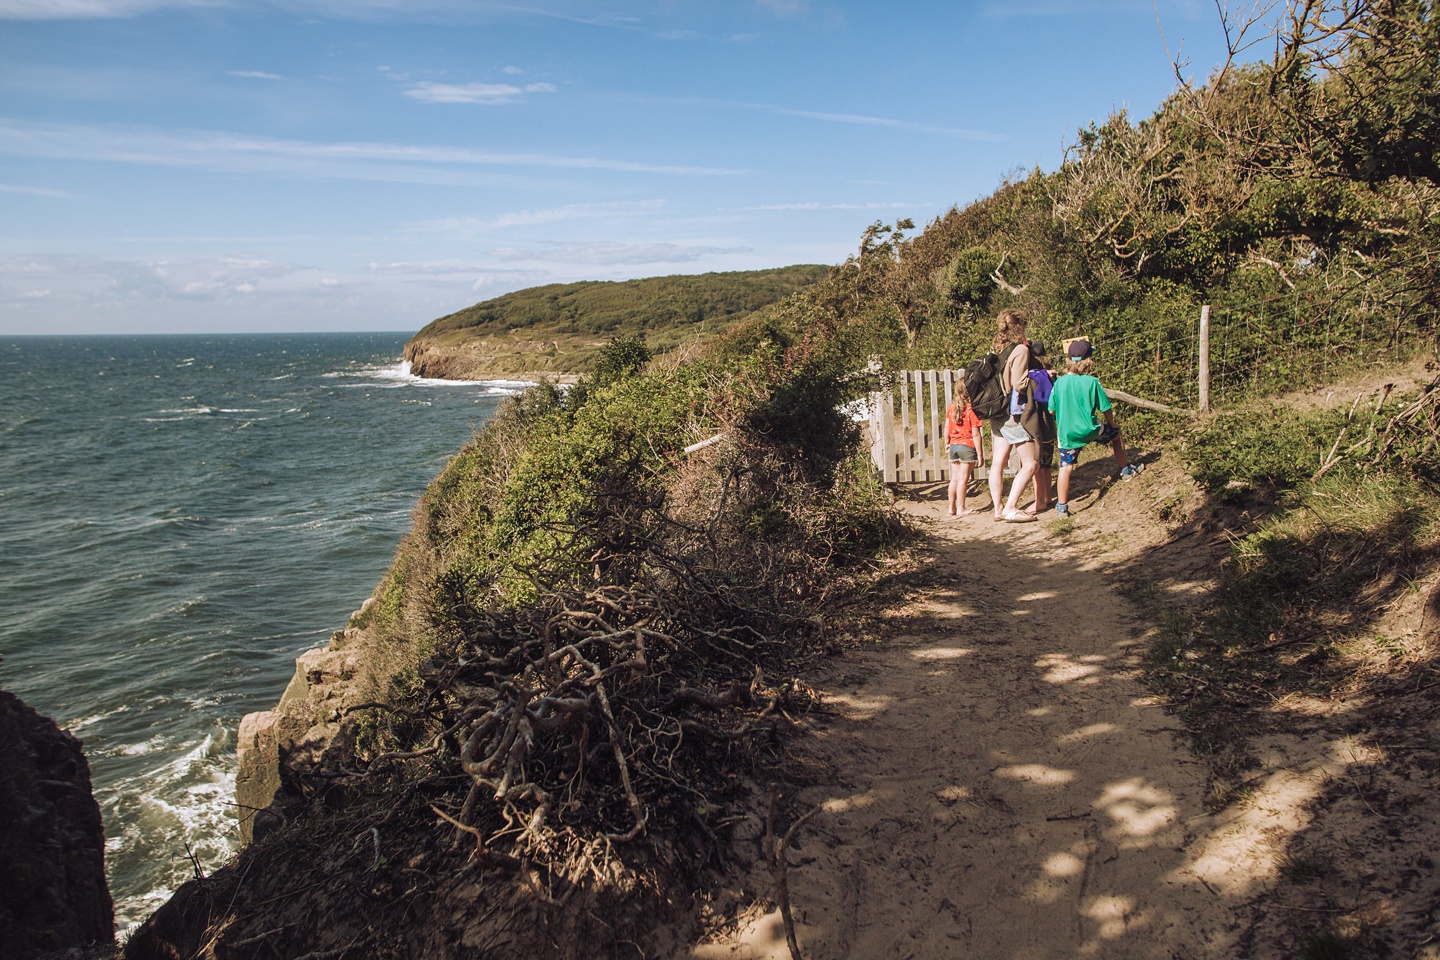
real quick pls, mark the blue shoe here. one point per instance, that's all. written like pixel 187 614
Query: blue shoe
pixel 1062 510
pixel 1130 472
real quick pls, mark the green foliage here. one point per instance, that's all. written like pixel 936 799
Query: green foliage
pixel 1273 449
pixel 802 409
pixel 619 359
pixel 1314 573
pixel 1312 264
pixel 1345 538
pixel 661 311
pixel 1367 98
pixel 966 283
pixel 617 447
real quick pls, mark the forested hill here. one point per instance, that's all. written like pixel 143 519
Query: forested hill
pixel 558 328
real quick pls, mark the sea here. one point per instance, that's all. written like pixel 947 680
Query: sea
pixel 180 517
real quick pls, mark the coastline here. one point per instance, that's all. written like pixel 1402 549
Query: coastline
pixel 493 358
pixel 166 647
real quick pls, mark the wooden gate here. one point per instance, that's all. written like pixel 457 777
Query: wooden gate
pixel 907 426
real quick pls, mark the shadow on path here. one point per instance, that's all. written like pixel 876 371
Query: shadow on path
pixel 1004 786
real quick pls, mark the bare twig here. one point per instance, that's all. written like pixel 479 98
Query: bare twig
pixel 779 866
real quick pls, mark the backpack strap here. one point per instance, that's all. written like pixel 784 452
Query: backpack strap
pixel 1005 365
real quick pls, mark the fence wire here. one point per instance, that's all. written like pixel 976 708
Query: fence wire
pixel 1260 348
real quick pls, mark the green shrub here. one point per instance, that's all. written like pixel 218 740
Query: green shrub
pixel 1327 563
pixel 1271 449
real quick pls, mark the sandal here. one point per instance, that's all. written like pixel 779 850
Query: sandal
pixel 1015 516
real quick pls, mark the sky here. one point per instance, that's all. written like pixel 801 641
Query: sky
pixel 208 166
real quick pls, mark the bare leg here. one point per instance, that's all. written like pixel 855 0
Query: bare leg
pixel 1118 446
pixel 957 485
pixel 999 457
pixel 1022 479
pixel 1042 488
pixel 1064 483
pixel 963 471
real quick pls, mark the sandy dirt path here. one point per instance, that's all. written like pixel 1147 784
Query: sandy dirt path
pixel 1004 786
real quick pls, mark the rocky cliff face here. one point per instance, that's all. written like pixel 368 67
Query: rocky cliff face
pixel 300 733
pixel 496 358
pixel 53 894
pixel 303 733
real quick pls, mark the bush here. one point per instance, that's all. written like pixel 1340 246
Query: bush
pixel 1273 450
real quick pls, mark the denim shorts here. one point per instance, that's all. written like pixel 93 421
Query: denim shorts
pixel 962 453
pixel 1012 432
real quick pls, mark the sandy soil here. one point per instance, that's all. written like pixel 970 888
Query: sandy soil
pixel 1005 787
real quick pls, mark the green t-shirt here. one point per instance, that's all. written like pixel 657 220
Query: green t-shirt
pixel 1075 401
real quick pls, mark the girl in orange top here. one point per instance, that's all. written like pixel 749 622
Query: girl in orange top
pixel 962 433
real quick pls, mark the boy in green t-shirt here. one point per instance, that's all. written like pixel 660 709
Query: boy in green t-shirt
pixel 1075 402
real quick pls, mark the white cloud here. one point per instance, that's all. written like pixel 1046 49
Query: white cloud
pixel 471 227
pixel 427 268
pixel 1050 9
pixel 498 282
pixel 890 122
pixel 254 75
pixel 90 9
pixel 606 253
pixel 486 93
pixel 836 206
pixel 858 119
pixel 474 275
pixel 38 191
pixel 237 153
pixel 785 8
pixel 71 294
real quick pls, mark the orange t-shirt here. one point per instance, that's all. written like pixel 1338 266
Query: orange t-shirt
pixel 960 430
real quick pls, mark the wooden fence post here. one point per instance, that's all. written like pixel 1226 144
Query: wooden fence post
pixel 937 425
pixel 1204 401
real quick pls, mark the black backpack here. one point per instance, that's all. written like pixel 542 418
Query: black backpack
pixel 982 382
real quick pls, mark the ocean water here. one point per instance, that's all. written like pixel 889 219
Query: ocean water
pixel 180 516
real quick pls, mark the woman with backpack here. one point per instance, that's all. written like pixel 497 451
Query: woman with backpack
pixel 1013 350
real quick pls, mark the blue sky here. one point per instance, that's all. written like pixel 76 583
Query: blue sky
pixel 312 165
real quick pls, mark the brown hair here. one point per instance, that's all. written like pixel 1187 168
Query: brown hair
pixel 959 400
pixel 1080 366
pixel 1009 329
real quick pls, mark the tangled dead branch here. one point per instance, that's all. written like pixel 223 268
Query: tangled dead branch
pixel 590 715
pixel 635 706
pixel 1412 434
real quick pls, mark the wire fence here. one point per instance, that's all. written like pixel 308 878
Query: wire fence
pixel 1257 348
pixel 1260 348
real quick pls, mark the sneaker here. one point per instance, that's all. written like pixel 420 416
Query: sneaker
pixel 1130 472
pixel 1062 510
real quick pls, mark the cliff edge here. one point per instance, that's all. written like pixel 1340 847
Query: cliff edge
pixel 53 894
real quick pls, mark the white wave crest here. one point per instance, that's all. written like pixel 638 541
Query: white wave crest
pixel 181 809
pixel 399 374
